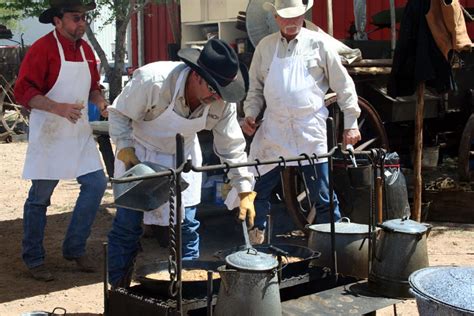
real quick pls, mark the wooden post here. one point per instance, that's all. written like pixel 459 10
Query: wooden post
pixel 418 149
pixel 330 20
pixel 393 22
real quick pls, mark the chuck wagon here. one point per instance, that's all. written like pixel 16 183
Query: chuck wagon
pixel 13 118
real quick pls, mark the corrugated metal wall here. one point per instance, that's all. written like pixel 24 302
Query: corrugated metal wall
pixel 157 33
pixel 343 16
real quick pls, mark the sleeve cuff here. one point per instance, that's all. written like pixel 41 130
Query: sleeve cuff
pixel 123 143
pixel 252 113
pixel 350 121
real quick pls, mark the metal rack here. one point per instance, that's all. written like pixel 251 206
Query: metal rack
pixel 175 252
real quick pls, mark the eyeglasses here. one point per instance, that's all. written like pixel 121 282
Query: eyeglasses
pixel 76 18
pixel 211 89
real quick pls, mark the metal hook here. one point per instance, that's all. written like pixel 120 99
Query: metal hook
pixel 226 172
pixel 283 161
pixel 256 169
pixel 311 163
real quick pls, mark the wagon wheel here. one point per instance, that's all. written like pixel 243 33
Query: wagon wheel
pixel 10 113
pixel 466 151
pixel 373 136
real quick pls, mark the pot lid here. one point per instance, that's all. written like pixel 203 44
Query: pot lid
pixel 452 286
pixel 343 227
pixel 252 260
pixel 404 225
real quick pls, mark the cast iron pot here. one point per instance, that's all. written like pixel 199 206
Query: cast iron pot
pixel 291 269
pixel 191 289
pixel 352 244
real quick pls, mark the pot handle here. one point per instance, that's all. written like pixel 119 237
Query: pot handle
pixel 428 228
pixel 62 309
pixel 345 220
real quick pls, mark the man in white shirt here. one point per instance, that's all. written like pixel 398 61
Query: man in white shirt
pixel 161 100
pixel 290 73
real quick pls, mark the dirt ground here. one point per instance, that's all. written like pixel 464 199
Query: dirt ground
pixel 82 293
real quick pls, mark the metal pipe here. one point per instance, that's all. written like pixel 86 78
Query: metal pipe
pixel 269 229
pixel 185 166
pixel 393 24
pixel 210 291
pixel 331 142
pixel 330 19
pixel 106 278
pixel 179 161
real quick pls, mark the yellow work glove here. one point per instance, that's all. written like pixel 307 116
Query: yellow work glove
pixel 247 208
pixel 128 157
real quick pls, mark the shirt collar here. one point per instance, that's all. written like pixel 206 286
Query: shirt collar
pixel 297 37
pixel 65 42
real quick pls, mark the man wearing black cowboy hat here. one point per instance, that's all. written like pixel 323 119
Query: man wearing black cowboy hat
pixel 58 76
pixel 161 100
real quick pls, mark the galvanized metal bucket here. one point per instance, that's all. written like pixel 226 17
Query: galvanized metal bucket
pixel 43 313
pixel 144 195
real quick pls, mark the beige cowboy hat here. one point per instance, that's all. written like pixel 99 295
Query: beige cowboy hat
pixel 288 8
pixel 58 6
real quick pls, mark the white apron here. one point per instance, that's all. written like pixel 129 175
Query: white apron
pixel 155 141
pixel 295 117
pixel 57 148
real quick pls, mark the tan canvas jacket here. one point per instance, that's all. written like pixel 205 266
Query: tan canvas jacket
pixel 446 22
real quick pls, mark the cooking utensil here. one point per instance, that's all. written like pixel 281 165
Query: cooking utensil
pixel 42 313
pixel 191 289
pixel 246 235
pixel 352 244
pixel 143 195
pixel 249 259
pixel 443 290
pixel 400 249
pixel 350 148
pixel 292 269
pixel 249 283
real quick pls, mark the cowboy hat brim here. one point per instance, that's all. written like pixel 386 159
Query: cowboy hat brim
pixel 233 92
pixel 288 13
pixel 47 15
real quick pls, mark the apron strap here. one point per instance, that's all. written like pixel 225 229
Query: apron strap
pixel 178 84
pixel 60 48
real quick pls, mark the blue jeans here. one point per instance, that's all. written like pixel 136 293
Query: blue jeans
pixel 318 190
pixel 124 240
pixel 92 189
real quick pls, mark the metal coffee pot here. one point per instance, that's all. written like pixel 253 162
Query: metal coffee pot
pixel 249 284
pixel 400 250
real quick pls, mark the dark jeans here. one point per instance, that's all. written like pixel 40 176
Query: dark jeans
pixel 124 240
pixel 318 187
pixel 92 189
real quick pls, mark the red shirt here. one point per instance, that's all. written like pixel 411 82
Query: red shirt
pixel 40 67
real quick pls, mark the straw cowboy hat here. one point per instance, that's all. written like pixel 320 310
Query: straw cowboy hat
pixel 218 64
pixel 288 8
pixel 56 6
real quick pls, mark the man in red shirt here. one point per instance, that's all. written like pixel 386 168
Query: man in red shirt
pixel 57 78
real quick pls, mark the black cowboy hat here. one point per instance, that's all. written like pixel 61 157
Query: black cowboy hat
pixel 56 6
pixel 218 64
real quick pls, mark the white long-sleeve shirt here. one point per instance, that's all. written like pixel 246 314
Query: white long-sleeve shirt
pixel 150 92
pixel 323 63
